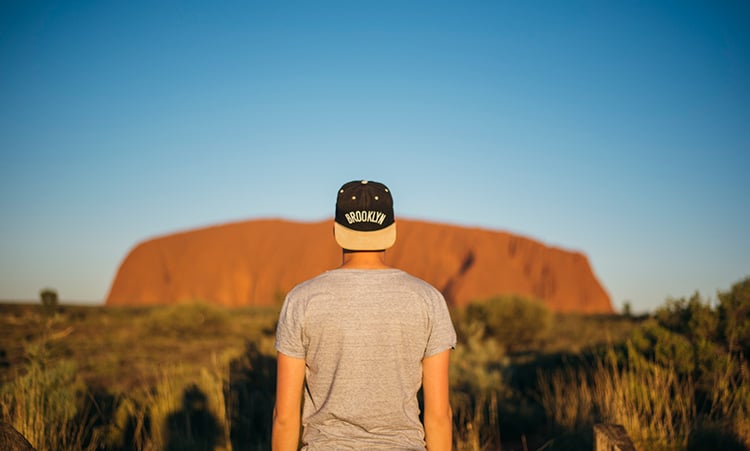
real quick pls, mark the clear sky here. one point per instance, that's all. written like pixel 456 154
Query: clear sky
pixel 619 129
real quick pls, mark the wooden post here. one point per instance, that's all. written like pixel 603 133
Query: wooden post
pixel 12 440
pixel 611 437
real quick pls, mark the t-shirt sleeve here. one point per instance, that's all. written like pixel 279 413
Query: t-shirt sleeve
pixel 289 328
pixel 442 333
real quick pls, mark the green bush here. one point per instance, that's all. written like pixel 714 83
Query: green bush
pixel 481 389
pixel 693 317
pixel 516 322
pixel 706 348
pixel 728 324
pixel 477 364
pixel 49 300
pixel 665 347
pixel 734 317
pixel 187 320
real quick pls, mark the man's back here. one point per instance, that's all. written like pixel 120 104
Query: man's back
pixel 363 334
pixel 361 340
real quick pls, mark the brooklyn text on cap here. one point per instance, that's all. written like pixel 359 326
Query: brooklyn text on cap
pixel 364 216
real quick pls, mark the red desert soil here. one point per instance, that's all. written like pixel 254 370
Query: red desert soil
pixel 256 262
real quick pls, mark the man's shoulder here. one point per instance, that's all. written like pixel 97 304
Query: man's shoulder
pixel 411 278
pixel 421 286
pixel 311 282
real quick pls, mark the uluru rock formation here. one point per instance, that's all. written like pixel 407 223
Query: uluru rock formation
pixel 257 262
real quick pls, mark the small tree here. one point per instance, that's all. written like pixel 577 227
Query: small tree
pixel 49 300
pixel 692 317
pixel 734 316
pixel 627 309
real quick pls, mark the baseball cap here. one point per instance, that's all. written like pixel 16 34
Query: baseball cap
pixel 364 216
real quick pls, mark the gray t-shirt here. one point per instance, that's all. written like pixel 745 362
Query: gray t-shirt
pixel 363 335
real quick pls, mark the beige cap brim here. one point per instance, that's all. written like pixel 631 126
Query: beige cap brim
pixel 364 241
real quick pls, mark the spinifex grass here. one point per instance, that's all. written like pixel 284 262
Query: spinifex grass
pixel 656 406
pixel 194 376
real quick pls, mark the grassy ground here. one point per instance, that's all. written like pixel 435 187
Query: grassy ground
pixel 151 359
pixel 136 369
pixel 197 377
pixel 124 348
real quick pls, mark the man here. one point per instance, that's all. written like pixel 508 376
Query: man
pixel 360 341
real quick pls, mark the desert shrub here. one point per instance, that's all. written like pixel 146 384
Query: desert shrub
pixel 664 347
pixel 46 400
pixel 40 400
pixel 728 324
pixel 476 382
pixel 730 398
pixel 186 320
pixel 477 364
pixel 49 300
pixel 483 391
pixel 692 317
pixel 630 392
pixel 694 336
pixel 627 309
pixel 517 323
pixel 674 385
pixel 43 405
pixel 734 317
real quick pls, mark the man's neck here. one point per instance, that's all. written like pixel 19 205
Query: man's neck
pixel 363 260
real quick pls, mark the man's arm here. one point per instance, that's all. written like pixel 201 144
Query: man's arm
pixel 290 375
pixel 438 416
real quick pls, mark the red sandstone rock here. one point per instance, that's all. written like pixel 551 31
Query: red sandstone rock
pixel 256 262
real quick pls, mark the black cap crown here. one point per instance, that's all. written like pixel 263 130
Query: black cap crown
pixel 364 216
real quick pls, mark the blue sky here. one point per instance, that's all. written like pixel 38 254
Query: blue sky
pixel 618 129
